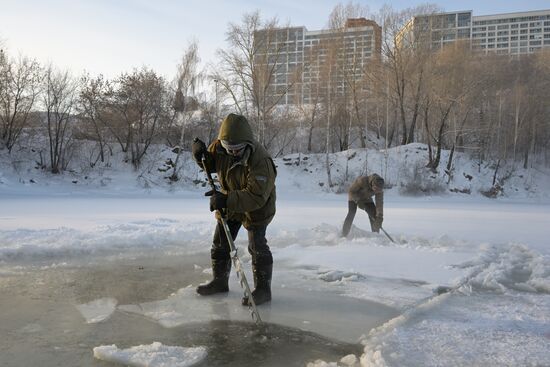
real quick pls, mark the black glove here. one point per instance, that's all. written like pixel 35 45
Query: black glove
pixel 218 201
pixel 198 149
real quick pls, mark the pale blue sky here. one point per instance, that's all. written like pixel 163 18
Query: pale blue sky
pixel 112 36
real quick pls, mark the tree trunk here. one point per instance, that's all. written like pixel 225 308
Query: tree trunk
pixel 450 164
pixel 428 135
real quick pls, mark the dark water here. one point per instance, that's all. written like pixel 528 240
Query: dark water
pixel 43 333
pixel 40 325
pixel 244 344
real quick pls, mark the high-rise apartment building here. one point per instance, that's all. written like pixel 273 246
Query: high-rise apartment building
pixel 437 30
pixel 298 57
pixel 510 33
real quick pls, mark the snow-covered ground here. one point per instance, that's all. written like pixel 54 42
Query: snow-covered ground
pixel 491 257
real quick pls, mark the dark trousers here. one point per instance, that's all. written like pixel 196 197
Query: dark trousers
pixel 370 209
pixel 257 243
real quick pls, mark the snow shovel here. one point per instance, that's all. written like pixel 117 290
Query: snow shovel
pixel 234 256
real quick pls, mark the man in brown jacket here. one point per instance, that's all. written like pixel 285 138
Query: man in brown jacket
pixel 360 194
pixel 246 174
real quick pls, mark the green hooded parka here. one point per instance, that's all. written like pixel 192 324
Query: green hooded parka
pixel 249 180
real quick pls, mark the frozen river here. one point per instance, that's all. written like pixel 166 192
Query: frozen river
pixel 78 272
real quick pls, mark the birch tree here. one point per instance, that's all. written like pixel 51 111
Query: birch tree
pixel 188 77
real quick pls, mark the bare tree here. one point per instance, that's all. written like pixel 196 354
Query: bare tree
pixel 351 69
pixel 59 102
pixel 92 106
pixel 406 50
pixel 19 88
pixel 313 90
pixel 188 76
pixel 327 76
pixel 137 107
pixel 450 84
pixel 249 66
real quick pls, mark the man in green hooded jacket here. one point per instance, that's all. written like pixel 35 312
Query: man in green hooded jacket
pixel 246 174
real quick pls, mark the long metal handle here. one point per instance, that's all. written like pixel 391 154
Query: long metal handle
pixel 386 233
pixel 234 255
pixel 383 230
pixel 241 275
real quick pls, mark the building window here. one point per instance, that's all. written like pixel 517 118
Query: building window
pixel 463 33
pixel 449 37
pixel 464 19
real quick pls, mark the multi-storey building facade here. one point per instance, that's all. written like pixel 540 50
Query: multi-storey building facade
pixel 437 30
pixel 510 33
pixel 299 57
pixel 513 33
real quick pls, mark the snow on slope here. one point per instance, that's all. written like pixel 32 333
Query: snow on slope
pixel 402 167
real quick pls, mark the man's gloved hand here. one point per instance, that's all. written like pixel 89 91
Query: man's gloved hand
pixel 198 149
pixel 377 224
pixel 218 201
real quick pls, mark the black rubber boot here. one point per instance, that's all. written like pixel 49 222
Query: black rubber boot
pixel 221 270
pixel 262 282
